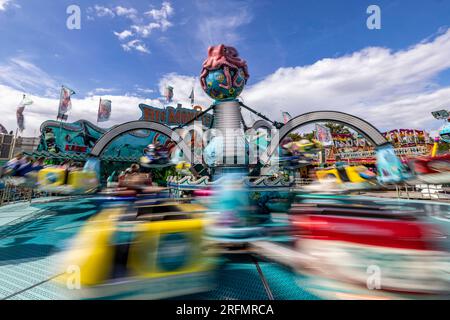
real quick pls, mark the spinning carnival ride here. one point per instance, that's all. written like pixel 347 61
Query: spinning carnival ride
pixel 155 242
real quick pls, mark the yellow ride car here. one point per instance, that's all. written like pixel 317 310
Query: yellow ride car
pixel 62 181
pixel 150 251
pixel 358 176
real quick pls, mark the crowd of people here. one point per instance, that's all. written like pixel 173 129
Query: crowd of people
pixel 21 165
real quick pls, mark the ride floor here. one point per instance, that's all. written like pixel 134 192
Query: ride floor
pixel 33 235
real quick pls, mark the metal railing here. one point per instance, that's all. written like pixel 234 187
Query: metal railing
pixel 12 193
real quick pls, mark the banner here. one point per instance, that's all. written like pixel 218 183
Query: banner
pixel 192 97
pixel 104 110
pixel 348 141
pixel 407 137
pixel 286 117
pixel 323 134
pixel 19 112
pixel 3 129
pixel 65 104
pixel 171 116
pixel 169 94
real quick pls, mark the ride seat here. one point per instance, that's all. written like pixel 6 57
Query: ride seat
pixel 343 174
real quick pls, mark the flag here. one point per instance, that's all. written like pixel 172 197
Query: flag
pixel 65 104
pixel 192 97
pixel 323 135
pixel 104 110
pixel 19 112
pixel 169 94
pixel 286 117
pixel 3 129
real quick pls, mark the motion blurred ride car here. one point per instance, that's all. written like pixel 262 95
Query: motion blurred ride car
pixel 152 250
pixel 133 181
pixel 344 241
pixel 432 170
pixel 349 177
pixel 62 181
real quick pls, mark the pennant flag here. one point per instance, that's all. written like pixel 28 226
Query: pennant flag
pixel 323 134
pixel 192 97
pixel 19 112
pixel 286 117
pixel 3 129
pixel 426 137
pixel 104 110
pixel 169 94
pixel 65 104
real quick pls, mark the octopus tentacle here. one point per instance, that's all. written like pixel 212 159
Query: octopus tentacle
pixel 226 71
pixel 203 78
pixel 226 58
pixel 236 76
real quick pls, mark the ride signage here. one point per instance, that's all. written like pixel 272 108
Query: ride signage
pixel 171 116
pixel 76 148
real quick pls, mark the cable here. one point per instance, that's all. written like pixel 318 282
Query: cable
pixel 263 279
pixel 276 124
pixel 31 287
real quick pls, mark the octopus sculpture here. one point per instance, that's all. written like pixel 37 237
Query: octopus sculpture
pixel 226 58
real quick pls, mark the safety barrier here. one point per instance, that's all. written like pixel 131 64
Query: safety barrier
pixel 12 193
pixel 422 191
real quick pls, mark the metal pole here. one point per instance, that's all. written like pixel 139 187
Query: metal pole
pixel 196 117
pixel 227 119
pixel 275 124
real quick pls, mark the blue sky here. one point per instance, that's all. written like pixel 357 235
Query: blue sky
pixel 293 39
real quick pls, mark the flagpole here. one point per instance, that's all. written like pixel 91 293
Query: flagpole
pixel 98 112
pixel 11 154
pixel 192 97
pixel 21 105
pixel 59 111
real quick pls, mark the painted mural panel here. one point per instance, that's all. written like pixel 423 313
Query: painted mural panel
pixel 79 137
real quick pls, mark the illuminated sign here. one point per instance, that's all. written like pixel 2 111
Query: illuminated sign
pixel 441 114
pixel 76 148
pixel 173 116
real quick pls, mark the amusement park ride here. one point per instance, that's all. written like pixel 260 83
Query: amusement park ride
pixel 158 242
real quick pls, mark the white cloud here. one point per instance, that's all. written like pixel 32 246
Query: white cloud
pixel 137 45
pixel 222 26
pixel 182 89
pixel 124 34
pixel 125 108
pixel 23 75
pixel 101 91
pixel 141 28
pixel 391 89
pixel 102 11
pixel 4 4
pixel 129 13
pixel 145 30
pixel 162 15
pixel 165 12
pixel 144 90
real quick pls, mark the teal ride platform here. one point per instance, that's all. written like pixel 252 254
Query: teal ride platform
pixel 32 236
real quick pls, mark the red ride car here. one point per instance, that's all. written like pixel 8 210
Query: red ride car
pixel 434 170
pixel 347 243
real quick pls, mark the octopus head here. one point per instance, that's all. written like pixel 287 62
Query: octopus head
pixel 216 51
